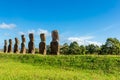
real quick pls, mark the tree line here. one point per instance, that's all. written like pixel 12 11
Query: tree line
pixel 110 47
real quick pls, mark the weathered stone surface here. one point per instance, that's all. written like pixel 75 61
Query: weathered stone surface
pixel 42 44
pixel 31 47
pixel 42 37
pixel 23 48
pixel 55 36
pixel 5 46
pixel 10 46
pixel 16 46
pixel 54 45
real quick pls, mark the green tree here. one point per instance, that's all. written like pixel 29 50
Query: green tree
pixel 92 49
pixel 64 49
pixel 48 49
pixel 112 46
pixel 74 48
pixel 82 49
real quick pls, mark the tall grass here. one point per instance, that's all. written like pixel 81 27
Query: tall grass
pixel 74 67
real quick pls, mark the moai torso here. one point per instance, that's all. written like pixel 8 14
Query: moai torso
pixel 5 46
pixel 23 48
pixel 31 47
pixel 54 45
pixel 10 46
pixel 16 46
pixel 42 44
pixel 54 48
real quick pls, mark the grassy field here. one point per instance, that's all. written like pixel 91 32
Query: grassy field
pixel 39 67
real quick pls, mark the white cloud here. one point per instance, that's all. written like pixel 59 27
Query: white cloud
pixel 31 31
pixel 43 31
pixel 84 40
pixel 94 42
pixel 7 26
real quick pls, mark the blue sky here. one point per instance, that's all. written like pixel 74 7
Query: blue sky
pixel 84 21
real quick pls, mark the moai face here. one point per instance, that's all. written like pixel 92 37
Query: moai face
pixel 54 45
pixel 23 38
pixel 31 48
pixel 31 37
pixel 42 45
pixel 16 41
pixel 55 36
pixel 16 48
pixel 5 46
pixel 10 41
pixel 5 42
pixel 10 45
pixel 23 48
pixel 42 36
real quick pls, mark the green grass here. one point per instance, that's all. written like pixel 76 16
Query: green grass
pixel 63 67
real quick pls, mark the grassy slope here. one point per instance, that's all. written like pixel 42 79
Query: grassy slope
pixel 38 67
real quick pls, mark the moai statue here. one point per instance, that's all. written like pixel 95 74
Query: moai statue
pixel 23 48
pixel 54 45
pixel 42 44
pixel 16 46
pixel 31 47
pixel 5 46
pixel 10 46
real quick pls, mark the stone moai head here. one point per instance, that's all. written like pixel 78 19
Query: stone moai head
pixel 23 38
pixel 31 37
pixel 5 46
pixel 10 41
pixel 10 46
pixel 16 41
pixel 16 48
pixel 5 42
pixel 42 36
pixel 55 36
pixel 23 48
